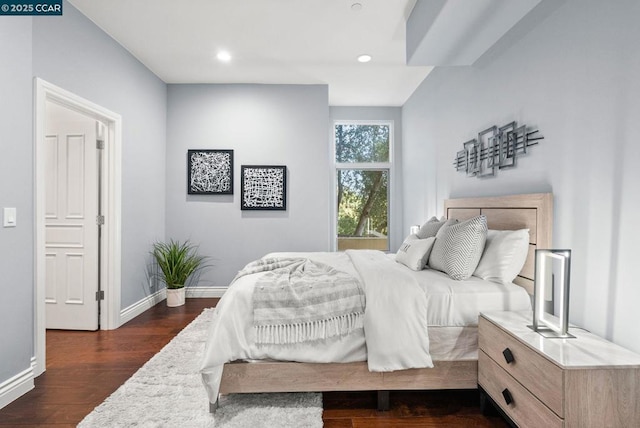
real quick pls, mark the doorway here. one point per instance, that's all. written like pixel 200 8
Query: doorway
pixel 72 213
pixel 49 228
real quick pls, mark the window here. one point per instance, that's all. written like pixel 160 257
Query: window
pixel 363 171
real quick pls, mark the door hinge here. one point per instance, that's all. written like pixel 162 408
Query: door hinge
pixel 100 295
pixel 100 220
pixel 100 144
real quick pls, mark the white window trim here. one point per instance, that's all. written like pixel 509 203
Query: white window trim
pixel 335 166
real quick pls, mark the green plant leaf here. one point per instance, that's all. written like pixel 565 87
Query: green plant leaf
pixel 177 261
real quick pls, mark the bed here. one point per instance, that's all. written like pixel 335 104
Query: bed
pixel 452 333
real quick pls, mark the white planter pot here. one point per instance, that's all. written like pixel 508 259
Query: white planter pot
pixel 175 297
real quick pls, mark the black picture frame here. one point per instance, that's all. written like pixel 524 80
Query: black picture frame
pixel 263 187
pixel 210 172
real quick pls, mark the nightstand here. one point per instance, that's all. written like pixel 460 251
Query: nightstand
pixel 581 382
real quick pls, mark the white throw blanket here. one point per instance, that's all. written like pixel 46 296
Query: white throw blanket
pixel 395 320
pixel 299 300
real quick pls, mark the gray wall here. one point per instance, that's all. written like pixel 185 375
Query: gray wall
pixel 16 190
pixel 396 231
pixel 574 76
pixel 264 125
pixel 71 52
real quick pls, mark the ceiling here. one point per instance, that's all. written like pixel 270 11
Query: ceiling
pixel 271 42
pixel 308 41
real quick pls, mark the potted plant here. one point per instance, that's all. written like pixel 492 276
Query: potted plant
pixel 177 262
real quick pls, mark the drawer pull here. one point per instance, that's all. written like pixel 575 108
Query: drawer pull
pixel 507 396
pixel 508 356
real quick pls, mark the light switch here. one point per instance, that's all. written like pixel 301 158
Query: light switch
pixel 9 217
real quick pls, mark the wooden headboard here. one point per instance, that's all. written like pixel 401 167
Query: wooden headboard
pixel 532 211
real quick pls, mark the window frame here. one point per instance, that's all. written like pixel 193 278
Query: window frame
pixel 337 166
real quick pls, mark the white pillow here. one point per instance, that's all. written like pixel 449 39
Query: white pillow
pixel 458 248
pixel 505 252
pixel 414 252
pixel 432 226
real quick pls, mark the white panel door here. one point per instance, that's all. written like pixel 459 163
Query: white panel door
pixel 71 231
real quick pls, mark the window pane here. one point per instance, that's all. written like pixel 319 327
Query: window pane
pixel 362 143
pixel 362 209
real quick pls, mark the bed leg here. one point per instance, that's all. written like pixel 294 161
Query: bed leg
pixel 383 401
pixel 214 406
pixel 487 408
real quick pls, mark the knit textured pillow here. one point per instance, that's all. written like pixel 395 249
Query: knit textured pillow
pixel 432 226
pixel 458 248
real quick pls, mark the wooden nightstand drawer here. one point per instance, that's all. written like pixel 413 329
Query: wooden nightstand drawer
pixel 586 382
pixel 525 409
pixel 537 374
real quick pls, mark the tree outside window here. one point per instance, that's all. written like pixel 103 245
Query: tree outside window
pixel 362 168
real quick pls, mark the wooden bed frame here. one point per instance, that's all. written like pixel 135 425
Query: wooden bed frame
pixel 532 211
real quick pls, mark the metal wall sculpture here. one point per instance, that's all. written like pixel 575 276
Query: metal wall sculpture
pixel 495 148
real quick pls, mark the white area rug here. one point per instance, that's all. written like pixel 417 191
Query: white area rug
pixel 168 392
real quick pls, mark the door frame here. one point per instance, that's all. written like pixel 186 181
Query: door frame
pixel 110 245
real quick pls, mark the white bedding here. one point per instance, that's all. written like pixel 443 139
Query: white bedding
pixel 449 303
pixel 458 303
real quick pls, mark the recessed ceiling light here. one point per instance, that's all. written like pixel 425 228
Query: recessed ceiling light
pixel 356 7
pixel 224 56
pixel 364 58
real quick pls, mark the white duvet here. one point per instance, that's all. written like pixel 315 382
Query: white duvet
pixel 400 306
pixel 395 322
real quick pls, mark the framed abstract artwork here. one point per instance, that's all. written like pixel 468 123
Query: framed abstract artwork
pixel 264 187
pixel 210 172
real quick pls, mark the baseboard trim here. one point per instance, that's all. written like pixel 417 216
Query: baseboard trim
pixel 205 292
pixel 37 368
pixel 129 313
pixel 15 387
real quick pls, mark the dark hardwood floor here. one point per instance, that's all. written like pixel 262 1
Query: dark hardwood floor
pixel 440 409
pixel 84 368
